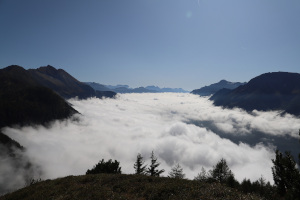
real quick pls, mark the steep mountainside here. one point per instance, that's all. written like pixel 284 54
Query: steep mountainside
pixel 9 144
pixel 270 91
pixel 24 101
pixel 63 83
pixel 14 161
pixel 213 88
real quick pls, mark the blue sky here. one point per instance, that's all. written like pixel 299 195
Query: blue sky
pixel 169 43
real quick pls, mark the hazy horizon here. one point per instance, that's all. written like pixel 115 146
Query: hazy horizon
pixel 170 43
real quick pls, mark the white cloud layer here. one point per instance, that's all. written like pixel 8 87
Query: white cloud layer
pixel 139 123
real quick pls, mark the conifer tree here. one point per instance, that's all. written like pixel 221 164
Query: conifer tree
pixel 202 176
pixel 221 171
pixel 286 175
pixel 138 165
pixel 176 172
pixel 152 170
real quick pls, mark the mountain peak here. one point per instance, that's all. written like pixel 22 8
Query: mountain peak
pixel 49 70
pixel 224 81
pixel 14 68
pixel 269 91
pixel 213 88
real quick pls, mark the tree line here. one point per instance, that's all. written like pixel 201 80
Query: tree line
pixel 286 175
pixel 114 167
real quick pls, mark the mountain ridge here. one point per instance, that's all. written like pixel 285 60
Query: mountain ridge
pixel 213 88
pixel 127 89
pixel 269 91
pixel 64 84
pixel 25 101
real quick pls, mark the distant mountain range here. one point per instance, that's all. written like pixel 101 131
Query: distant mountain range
pixel 157 89
pixel 270 91
pixel 213 88
pixel 126 89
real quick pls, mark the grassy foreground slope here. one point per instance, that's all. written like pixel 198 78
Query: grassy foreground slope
pixel 112 186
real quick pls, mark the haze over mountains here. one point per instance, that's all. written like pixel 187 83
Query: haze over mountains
pixel 127 89
pixel 213 88
pixel 173 124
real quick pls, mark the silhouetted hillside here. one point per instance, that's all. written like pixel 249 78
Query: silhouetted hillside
pixel 9 144
pixel 14 161
pixel 270 91
pixel 213 88
pixel 105 94
pixel 63 83
pixel 119 186
pixel 23 101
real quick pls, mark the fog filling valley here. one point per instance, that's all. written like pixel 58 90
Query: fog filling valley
pixel 179 128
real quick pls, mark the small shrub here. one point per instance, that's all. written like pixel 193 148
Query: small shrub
pixel 109 167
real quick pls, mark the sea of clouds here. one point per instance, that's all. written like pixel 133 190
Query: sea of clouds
pixel 140 123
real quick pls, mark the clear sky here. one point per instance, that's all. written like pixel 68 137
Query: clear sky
pixel 169 43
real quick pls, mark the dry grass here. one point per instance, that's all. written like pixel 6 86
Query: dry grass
pixel 111 186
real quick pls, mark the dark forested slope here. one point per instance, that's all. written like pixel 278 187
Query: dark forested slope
pixel 270 91
pixel 213 88
pixel 64 84
pixel 24 101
